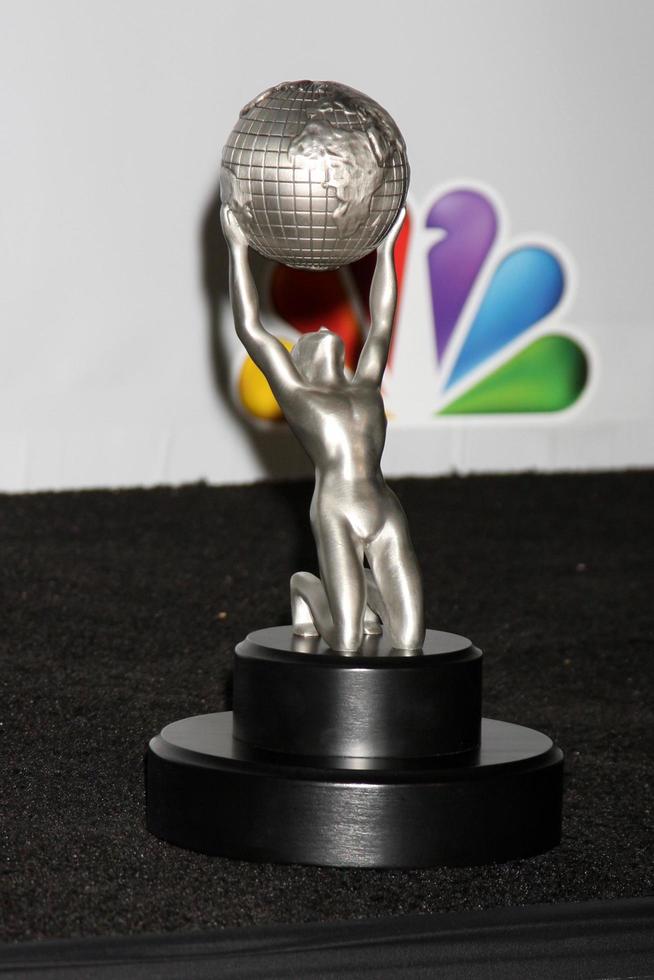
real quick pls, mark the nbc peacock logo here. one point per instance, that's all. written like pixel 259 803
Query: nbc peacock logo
pixel 491 338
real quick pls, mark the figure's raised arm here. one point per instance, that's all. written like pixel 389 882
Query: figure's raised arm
pixel 383 300
pixel 265 350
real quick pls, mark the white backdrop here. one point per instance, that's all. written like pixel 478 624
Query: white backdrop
pixel 113 115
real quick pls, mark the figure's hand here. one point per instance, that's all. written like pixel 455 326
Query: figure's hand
pixel 231 229
pixel 388 243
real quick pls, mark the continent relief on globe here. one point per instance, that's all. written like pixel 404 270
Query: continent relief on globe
pixel 316 174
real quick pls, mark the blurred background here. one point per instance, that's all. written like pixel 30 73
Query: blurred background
pixel 528 127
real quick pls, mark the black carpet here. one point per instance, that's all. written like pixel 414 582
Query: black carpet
pixel 577 941
pixel 120 611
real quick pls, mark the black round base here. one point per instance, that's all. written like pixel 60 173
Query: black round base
pixel 211 793
pixel 294 695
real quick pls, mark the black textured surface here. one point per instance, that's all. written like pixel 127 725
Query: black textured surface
pixel 120 613
pixel 585 941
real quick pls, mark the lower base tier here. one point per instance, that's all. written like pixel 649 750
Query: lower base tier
pixel 208 792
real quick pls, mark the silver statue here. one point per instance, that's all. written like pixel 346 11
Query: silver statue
pixel 341 424
pixel 315 175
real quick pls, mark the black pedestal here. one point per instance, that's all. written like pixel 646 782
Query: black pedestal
pixel 373 760
pixel 294 695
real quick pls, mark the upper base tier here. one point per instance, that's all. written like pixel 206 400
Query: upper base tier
pixel 210 793
pixel 294 695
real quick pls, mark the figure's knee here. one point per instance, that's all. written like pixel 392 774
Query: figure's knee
pixel 297 582
pixel 305 584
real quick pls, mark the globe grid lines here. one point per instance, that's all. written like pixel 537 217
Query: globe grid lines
pixel 292 214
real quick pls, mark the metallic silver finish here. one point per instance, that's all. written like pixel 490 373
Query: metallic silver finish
pixel 315 172
pixel 341 424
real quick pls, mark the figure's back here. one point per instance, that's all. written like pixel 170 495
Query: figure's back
pixel 342 428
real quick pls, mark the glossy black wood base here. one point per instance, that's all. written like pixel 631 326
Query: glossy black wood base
pixel 210 792
pixel 294 695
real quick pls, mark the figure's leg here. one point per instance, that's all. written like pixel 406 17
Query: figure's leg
pixel 308 605
pixel 342 624
pixel 375 612
pixel 395 571
pixel 372 623
pixel 340 556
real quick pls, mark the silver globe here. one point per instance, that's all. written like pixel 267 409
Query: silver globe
pixel 316 173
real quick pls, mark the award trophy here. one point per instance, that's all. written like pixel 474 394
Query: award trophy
pixel 356 736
